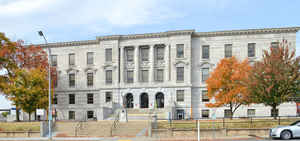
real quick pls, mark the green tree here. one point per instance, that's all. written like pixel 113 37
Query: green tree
pixel 275 78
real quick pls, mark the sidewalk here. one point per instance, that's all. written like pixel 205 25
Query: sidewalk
pixel 239 138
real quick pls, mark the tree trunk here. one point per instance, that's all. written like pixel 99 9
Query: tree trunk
pixel 273 112
pixel 17 114
pixel 29 116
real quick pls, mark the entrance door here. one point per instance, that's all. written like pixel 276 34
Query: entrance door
pixel 144 100
pixel 129 101
pixel 160 100
pixel 180 114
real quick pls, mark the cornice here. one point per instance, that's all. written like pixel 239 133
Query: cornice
pixel 246 32
pixel 146 35
pixel 66 44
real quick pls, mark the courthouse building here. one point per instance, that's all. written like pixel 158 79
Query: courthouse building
pixel 163 71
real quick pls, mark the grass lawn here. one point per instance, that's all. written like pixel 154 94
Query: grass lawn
pixel 19 126
pixel 228 123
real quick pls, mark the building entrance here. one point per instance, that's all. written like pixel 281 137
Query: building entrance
pixel 144 100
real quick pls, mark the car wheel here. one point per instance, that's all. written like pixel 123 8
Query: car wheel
pixel 286 135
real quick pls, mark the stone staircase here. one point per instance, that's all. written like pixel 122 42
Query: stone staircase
pixel 143 114
pixel 84 129
pixel 132 128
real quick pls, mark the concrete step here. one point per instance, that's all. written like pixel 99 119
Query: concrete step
pixel 131 128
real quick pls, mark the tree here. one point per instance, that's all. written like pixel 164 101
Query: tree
pixel 18 61
pixel 276 78
pixel 226 84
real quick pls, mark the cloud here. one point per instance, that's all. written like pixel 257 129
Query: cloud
pixel 23 17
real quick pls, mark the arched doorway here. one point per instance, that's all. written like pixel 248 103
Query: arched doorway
pixel 159 99
pixel 144 100
pixel 129 100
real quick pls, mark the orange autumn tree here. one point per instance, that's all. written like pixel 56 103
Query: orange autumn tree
pixel 226 84
pixel 27 66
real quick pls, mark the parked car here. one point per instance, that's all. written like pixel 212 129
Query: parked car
pixel 286 132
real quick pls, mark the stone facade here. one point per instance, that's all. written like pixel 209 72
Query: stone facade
pixel 156 74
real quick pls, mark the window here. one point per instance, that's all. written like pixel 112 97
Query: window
pixel 205 113
pixel 54 60
pixel 108 96
pixel 145 53
pixel 227 113
pixel 275 45
pixel 144 75
pixel 160 52
pixel 205 52
pixel 90 98
pixel 55 81
pixel 90 79
pixel 204 96
pixel 129 54
pixel 180 50
pixel 71 98
pixel 251 112
pixel 72 80
pixel 205 74
pixel 55 99
pixel 251 50
pixel 71 59
pixel 108 55
pixel 129 76
pixel 180 95
pixel 90 58
pixel 274 113
pixel 228 50
pixel 159 75
pixel 108 76
pixel 90 114
pixel 180 74
pixel 71 115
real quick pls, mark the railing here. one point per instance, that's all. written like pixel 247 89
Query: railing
pixel 115 123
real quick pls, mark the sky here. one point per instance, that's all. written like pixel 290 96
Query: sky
pixel 69 20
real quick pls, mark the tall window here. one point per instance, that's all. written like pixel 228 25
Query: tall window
pixel 204 96
pixel 180 95
pixel 160 52
pixel 72 80
pixel 129 76
pixel 251 112
pixel 90 58
pixel 228 50
pixel 90 114
pixel 108 96
pixel 90 98
pixel 129 54
pixel 71 59
pixel 180 74
pixel 144 76
pixel 180 50
pixel 71 98
pixel 251 50
pixel 159 75
pixel 205 74
pixel 55 99
pixel 205 52
pixel 71 115
pixel 108 55
pixel 275 45
pixel 90 79
pixel 108 76
pixel 205 113
pixel 145 53
pixel 54 60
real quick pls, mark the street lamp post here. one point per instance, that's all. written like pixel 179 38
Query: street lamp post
pixel 49 78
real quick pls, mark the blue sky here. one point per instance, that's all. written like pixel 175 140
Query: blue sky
pixel 68 20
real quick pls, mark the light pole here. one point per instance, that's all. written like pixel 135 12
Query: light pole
pixel 49 78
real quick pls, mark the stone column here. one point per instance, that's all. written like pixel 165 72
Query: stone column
pixel 121 65
pixel 151 63
pixel 136 65
pixel 167 62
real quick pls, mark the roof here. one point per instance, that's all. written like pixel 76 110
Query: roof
pixel 175 32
